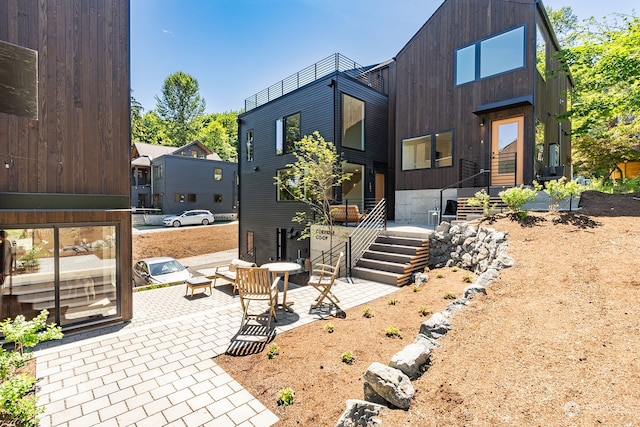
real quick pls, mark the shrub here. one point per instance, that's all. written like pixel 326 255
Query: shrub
pixel 560 189
pixel 439 275
pixel 328 327
pixel 367 311
pixel 516 197
pixel 348 357
pixel 454 268
pixel 17 397
pixel 392 331
pixel 274 351
pixel 424 311
pixel 481 198
pixel 286 396
pixel 416 288
pixel 466 278
pixel 449 295
pixel 393 301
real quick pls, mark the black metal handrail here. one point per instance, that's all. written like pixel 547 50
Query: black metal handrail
pixel 482 171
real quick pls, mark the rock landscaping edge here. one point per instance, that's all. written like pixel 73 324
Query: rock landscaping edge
pixel 478 249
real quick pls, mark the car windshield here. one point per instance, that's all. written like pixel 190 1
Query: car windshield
pixel 165 268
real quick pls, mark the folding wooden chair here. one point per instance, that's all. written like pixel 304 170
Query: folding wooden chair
pixel 255 284
pixel 322 278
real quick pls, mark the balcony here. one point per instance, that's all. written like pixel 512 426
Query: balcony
pixel 330 64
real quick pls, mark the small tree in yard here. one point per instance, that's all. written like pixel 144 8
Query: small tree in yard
pixel 312 177
pixel 560 189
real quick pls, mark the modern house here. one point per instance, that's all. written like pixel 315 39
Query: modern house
pixel 176 179
pixel 471 101
pixel 65 222
pixel 348 105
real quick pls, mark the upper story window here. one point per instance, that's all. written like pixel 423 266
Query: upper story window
pixel 428 151
pixel 250 145
pixel 194 153
pixel 495 55
pixel 352 122
pixel 217 174
pixel 541 53
pixel 287 133
pixel 289 186
pixel 157 171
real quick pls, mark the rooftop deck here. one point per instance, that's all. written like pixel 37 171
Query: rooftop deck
pixel 320 69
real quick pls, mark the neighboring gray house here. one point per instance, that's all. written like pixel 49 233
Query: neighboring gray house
pixel 176 179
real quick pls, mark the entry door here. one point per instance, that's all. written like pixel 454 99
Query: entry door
pixel 507 151
pixel 379 187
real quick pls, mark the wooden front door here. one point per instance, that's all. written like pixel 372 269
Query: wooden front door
pixel 507 151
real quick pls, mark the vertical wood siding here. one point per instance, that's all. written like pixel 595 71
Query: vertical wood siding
pixel 427 100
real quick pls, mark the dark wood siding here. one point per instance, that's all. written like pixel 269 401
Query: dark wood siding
pixel 80 141
pixel 427 99
pixel 79 144
pixel 319 106
pixel 551 99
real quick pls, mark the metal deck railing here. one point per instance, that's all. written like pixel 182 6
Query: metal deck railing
pixel 320 69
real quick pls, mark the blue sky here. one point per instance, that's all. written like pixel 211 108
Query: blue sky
pixel 236 48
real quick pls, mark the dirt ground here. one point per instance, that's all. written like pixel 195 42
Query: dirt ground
pixel 185 242
pixel 554 342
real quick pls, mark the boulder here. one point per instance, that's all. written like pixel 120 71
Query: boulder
pixel 436 326
pixel 473 289
pixel 360 413
pixel 389 383
pixel 411 360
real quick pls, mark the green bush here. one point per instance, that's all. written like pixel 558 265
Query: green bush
pixel 17 398
pixel 560 189
pixel 516 197
pixel 348 357
pixel 481 198
pixel 286 396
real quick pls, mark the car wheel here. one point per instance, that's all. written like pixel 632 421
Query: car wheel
pixel 205 222
pixel 176 223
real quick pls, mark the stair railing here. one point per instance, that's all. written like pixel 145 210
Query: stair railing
pixel 482 171
pixel 367 232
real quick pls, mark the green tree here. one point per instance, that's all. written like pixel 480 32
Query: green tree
pixel 179 107
pixel 317 169
pixel 605 110
pixel 215 134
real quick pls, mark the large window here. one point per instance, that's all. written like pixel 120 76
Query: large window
pixel 217 174
pixel 429 151
pixel 495 55
pixel 289 187
pixel 287 133
pixel 352 122
pixel 157 171
pixel 70 271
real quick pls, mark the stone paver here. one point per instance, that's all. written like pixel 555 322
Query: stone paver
pixel 159 369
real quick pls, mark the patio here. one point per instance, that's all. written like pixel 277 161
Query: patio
pixel 159 369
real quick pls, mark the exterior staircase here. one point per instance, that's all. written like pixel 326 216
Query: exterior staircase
pixel 393 257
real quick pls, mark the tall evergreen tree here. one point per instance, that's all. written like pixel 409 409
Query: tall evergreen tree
pixel 179 106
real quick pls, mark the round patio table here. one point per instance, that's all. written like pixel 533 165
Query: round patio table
pixel 283 268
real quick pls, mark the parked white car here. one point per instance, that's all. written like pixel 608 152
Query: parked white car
pixel 193 217
pixel 159 270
